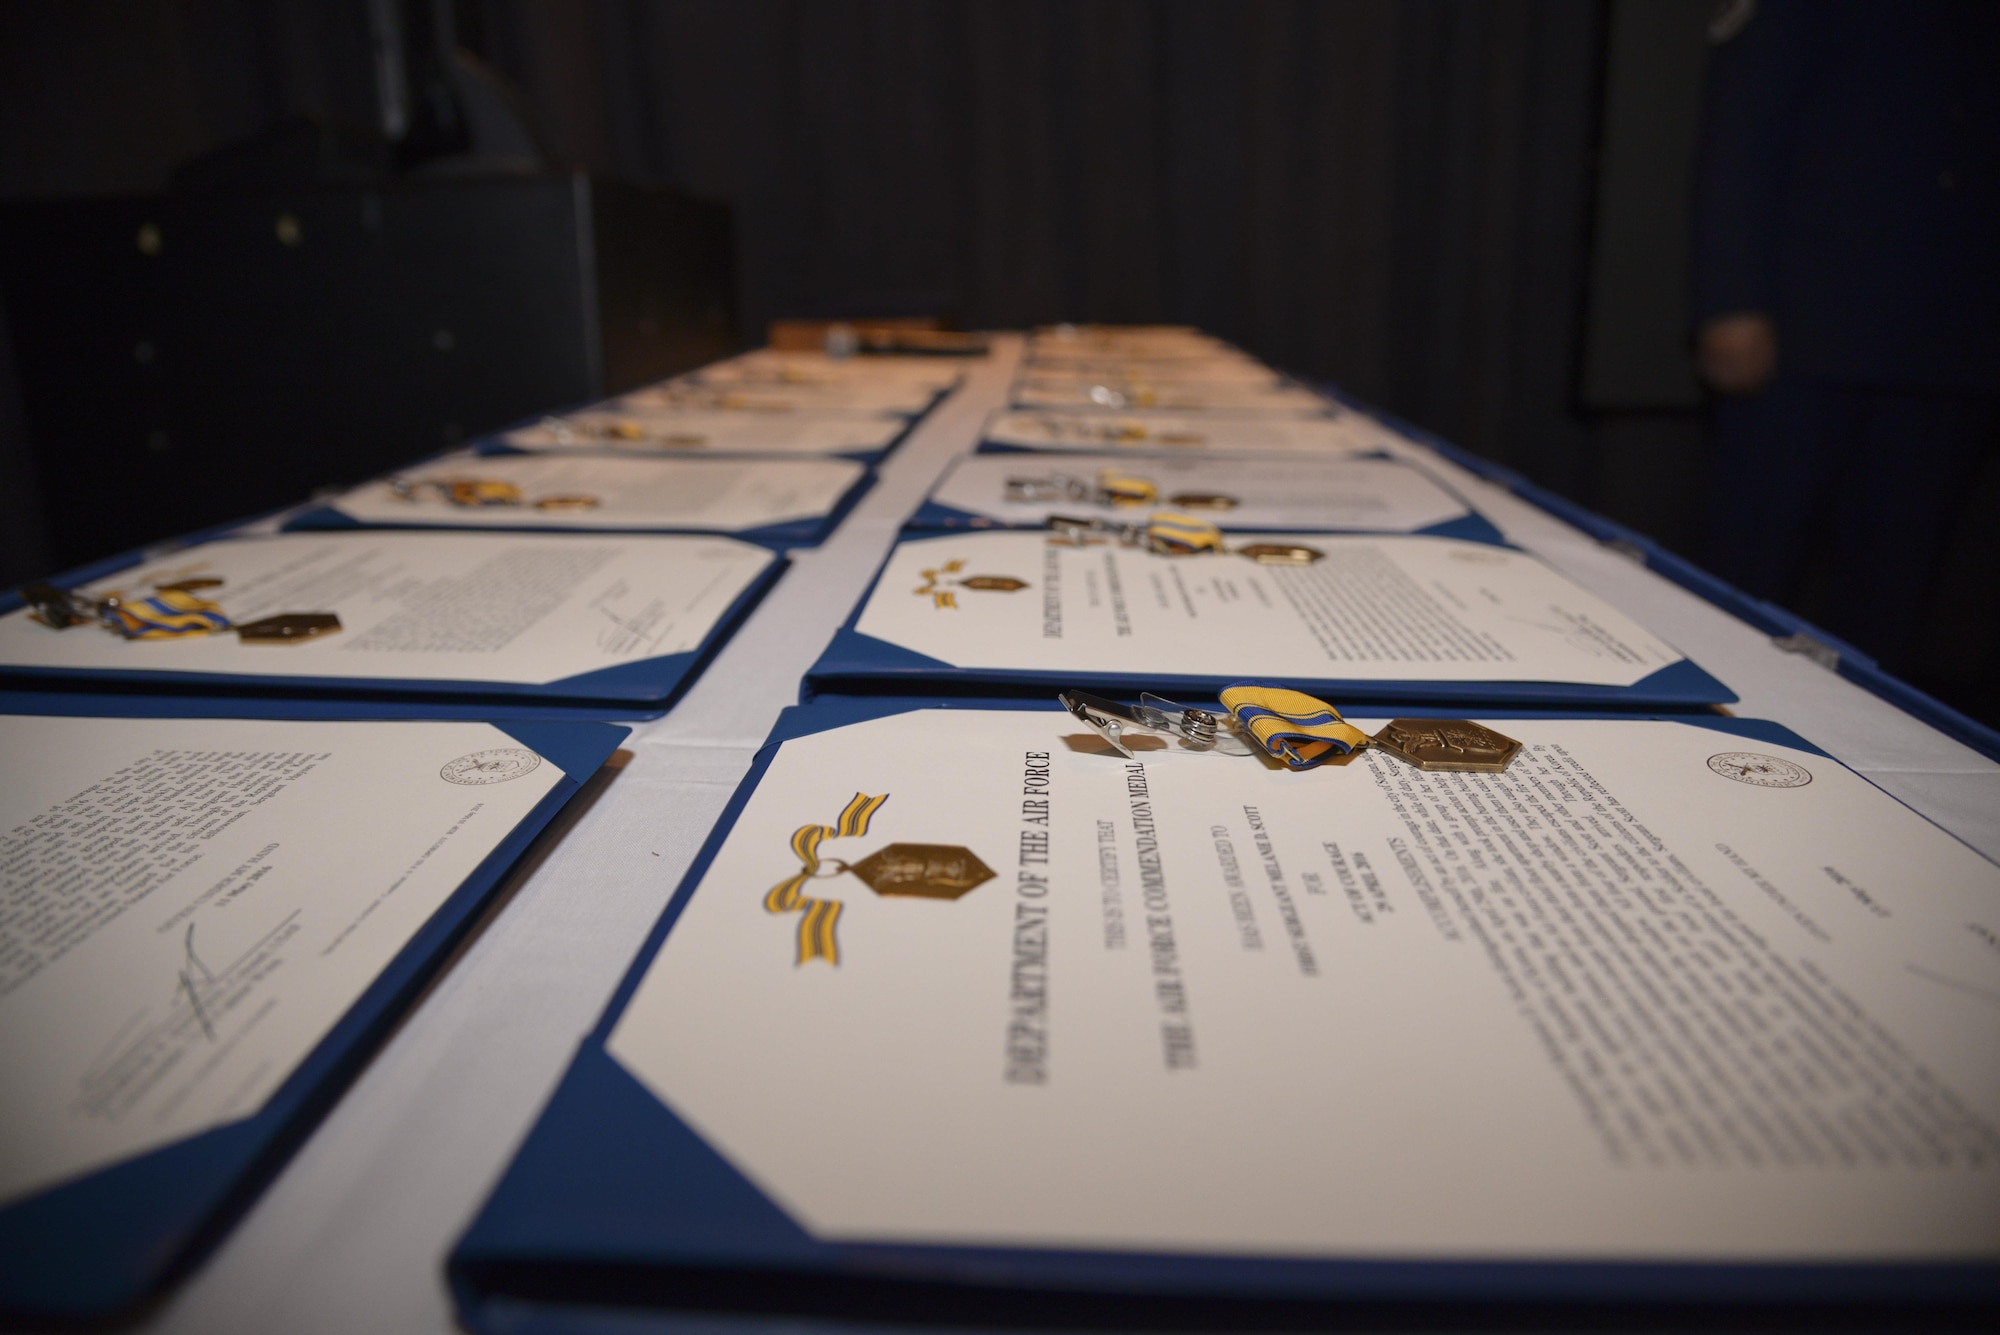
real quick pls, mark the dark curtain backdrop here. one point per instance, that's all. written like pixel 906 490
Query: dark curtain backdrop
pixel 1389 193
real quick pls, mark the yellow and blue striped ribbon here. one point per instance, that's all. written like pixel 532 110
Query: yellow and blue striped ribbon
pixel 1126 488
pixel 819 917
pixel 1178 534
pixel 167 614
pixel 1294 727
pixel 478 492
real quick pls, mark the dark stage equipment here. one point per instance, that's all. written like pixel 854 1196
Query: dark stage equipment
pixel 199 356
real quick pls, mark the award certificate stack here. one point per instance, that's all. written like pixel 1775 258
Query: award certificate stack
pixel 1098 342
pixel 1163 370
pixel 965 1002
pixel 814 382
pixel 905 384
pixel 762 403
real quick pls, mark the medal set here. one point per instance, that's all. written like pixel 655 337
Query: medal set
pixel 1291 727
pixel 1114 432
pixel 170 610
pixel 481 493
pixel 619 431
pixel 1112 489
pixel 1169 534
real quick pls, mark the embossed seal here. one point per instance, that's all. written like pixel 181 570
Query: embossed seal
pixel 496 766
pixel 1759 770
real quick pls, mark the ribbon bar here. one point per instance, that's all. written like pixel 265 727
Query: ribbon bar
pixel 1290 725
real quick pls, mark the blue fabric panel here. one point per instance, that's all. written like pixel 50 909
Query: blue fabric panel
pixel 664 1189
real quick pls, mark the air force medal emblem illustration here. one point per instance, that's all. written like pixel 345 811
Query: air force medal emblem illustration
pixel 943 592
pixel 914 871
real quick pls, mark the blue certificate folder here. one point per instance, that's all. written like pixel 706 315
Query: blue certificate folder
pixel 642 689
pixel 615 1205
pixel 936 516
pixel 808 532
pixel 497 442
pixel 96 1246
pixel 857 664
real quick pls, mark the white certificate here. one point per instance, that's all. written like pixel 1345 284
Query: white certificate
pixel 187 907
pixel 1658 991
pixel 931 375
pixel 1181 370
pixel 1160 340
pixel 1091 392
pixel 1305 493
pixel 646 427
pixel 609 492
pixel 1318 431
pixel 783 394
pixel 1389 607
pixel 523 609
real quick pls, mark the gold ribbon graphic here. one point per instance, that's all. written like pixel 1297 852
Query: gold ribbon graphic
pixel 942 597
pixel 818 917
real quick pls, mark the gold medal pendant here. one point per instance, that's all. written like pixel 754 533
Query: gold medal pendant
pixel 911 871
pixel 289 628
pixel 1447 744
pixel 1280 553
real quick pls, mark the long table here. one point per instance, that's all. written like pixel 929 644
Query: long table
pixel 353 1233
